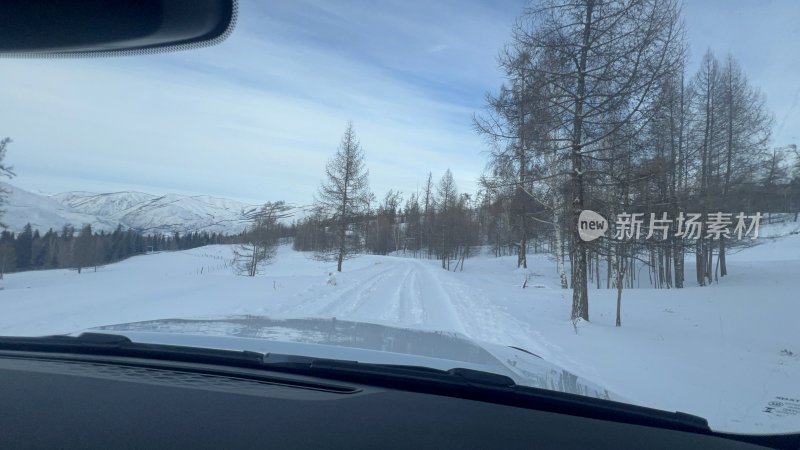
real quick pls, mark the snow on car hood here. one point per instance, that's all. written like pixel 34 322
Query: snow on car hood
pixel 358 341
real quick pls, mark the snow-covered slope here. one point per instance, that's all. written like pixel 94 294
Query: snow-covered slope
pixel 106 205
pixel 164 213
pixel 145 212
pixel 44 212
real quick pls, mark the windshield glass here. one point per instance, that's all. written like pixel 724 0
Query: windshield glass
pixel 595 197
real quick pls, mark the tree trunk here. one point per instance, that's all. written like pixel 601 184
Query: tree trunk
pixel 710 263
pixel 620 275
pixel 342 236
pixel 522 259
pixel 677 256
pixel 700 260
pixel 597 269
pixel 580 294
pixel 559 249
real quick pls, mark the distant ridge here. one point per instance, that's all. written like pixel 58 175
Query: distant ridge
pixel 143 212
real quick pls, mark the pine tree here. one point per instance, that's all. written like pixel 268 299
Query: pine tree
pixel 8 256
pixel 23 248
pixel 84 251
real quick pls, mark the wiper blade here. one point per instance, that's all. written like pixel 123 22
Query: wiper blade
pixel 106 344
pixel 525 351
pixel 487 386
pixel 496 388
pixel 119 345
pixel 457 382
pixel 338 366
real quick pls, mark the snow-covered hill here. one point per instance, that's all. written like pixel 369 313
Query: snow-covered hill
pixel 144 212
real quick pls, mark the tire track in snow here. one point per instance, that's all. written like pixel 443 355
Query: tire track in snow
pixel 406 306
pixel 345 305
pixel 318 298
pixel 414 293
pixel 406 293
pixel 436 305
pixel 485 321
pixel 395 312
pixel 417 311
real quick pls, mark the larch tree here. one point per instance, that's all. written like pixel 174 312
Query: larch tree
pixel 5 171
pixel 446 204
pixel 8 255
pixel 413 220
pixel 595 57
pixel 511 128
pixel 261 238
pixel 426 231
pixel 706 87
pixel 747 129
pixel 345 192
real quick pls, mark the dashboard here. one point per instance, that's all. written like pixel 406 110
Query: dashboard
pixel 60 401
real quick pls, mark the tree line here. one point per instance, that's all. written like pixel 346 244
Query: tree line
pixel 442 223
pixel 437 223
pixel 68 248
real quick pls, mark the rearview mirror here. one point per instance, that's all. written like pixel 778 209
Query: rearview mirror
pixel 41 28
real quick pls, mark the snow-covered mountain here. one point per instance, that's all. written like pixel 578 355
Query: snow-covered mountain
pixel 147 213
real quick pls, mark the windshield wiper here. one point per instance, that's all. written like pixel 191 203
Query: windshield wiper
pixel 456 382
pixel 105 344
pixel 525 351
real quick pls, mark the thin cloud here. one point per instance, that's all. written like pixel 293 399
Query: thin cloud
pixel 256 117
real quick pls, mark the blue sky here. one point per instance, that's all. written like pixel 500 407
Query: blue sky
pixel 256 117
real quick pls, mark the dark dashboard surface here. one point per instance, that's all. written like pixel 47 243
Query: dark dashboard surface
pixel 46 403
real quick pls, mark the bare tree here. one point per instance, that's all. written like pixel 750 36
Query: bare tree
pixel 5 171
pixel 596 56
pixel 345 191
pixel 706 88
pixel 512 129
pixel 383 233
pixel 413 221
pixel 747 126
pixel 446 203
pixel 426 230
pixel 261 239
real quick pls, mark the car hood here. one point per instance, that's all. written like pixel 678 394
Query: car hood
pixel 359 341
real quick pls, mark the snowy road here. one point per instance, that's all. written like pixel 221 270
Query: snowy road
pixel 419 294
pixel 406 292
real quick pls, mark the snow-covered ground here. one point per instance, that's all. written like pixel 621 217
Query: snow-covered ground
pixel 723 352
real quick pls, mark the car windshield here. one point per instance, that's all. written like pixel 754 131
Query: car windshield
pixel 608 190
